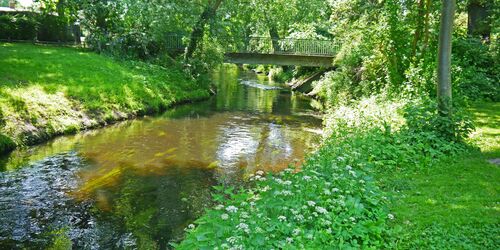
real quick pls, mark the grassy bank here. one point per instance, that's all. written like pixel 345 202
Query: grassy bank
pixel 379 181
pixel 453 204
pixel 46 91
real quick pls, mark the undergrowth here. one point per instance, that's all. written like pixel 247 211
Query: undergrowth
pixel 332 201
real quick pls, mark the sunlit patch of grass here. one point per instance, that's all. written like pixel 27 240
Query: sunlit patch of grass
pixel 53 90
pixel 455 203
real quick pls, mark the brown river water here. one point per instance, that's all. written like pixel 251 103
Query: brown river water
pixel 138 184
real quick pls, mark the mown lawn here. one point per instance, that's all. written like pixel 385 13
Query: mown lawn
pixel 47 90
pixel 455 203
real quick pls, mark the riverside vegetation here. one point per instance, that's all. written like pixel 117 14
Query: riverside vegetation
pixel 49 91
pixel 392 171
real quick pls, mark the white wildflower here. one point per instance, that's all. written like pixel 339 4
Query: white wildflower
pixel 352 218
pixel 219 207
pixel 232 239
pixel 287 193
pixel 260 172
pixel 191 226
pixel 232 209
pixel 287 183
pixel 306 178
pixel 242 226
pixel 282 218
pixel 289 240
pixel 348 167
pixel 311 203
pixel 390 216
pixel 296 231
pixel 224 216
pixel 321 210
pixel 327 192
pixel 299 217
pixel 335 190
pixel 352 173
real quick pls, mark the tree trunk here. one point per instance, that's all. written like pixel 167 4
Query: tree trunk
pixel 199 28
pixel 426 27
pixel 477 23
pixel 274 39
pixel 444 58
pixel 418 29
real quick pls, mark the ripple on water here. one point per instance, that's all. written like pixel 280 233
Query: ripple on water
pixel 35 207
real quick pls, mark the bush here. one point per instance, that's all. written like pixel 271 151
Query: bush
pixel 53 29
pixel 475 71
pixel 32 26
pixel 6 144
pixel 331 202
pixel 18 27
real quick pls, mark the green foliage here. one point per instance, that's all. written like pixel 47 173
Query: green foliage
pixel 331 201
pixel 34 26
pixel 18 27
pixel 475 70
pixel 449 206
pixel 422 117
pixel 62 90
pixel 6 144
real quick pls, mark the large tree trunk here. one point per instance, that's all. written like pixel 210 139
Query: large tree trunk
pixel 199 28
pixel 444 58
pixel 478 23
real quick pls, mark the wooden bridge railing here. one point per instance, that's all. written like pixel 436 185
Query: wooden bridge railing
pixel 267 45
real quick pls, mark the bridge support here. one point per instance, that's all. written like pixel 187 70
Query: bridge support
pixel 279 59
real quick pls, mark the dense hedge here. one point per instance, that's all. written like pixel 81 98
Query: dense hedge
pixel 33 26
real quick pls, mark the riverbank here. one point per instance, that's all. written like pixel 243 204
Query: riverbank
pixel 454 203
pixel 48 91
pixel 410 190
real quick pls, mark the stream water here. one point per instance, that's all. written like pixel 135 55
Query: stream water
pixel 138 184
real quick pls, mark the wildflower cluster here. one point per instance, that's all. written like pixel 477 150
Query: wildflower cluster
pixel 330 202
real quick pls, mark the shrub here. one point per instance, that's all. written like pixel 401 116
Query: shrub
pixel 475 71
pixel 6 144
pixel 331 202
pixel 53 29
pixel 7 26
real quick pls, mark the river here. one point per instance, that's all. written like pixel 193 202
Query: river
pixel 140 183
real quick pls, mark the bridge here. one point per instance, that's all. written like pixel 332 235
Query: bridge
pixel 266 50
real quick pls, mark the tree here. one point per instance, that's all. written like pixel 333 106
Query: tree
pixel 478 19
pixel 198 30
pixel 444 57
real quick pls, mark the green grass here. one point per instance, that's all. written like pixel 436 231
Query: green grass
pixel 46 90
pixel 383 183
pixel 455 203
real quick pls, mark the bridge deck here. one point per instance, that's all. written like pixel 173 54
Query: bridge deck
pixel 279 59
pixel 265 50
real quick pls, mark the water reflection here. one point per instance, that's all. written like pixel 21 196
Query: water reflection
pixel 149 178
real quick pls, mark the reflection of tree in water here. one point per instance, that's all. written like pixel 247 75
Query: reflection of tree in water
pixel 157 208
